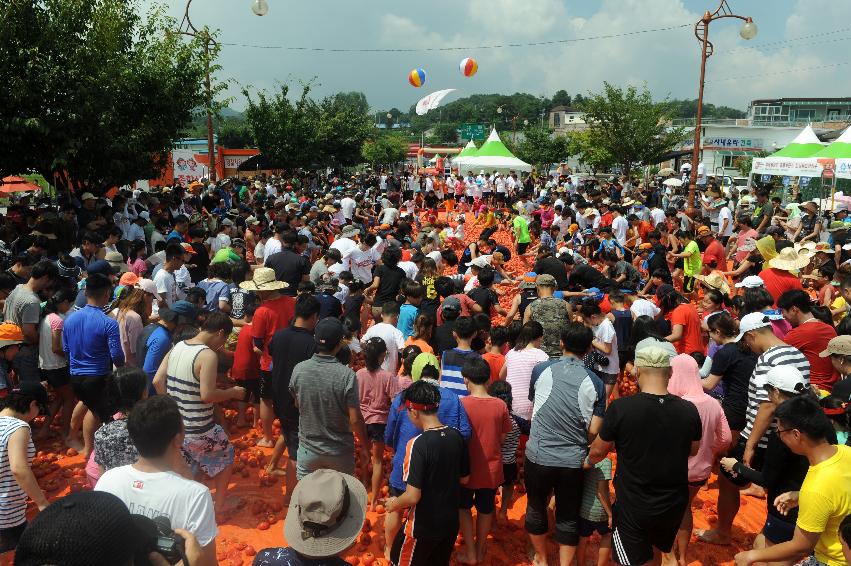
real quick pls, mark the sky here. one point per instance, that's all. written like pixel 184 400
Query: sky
pixel 802 48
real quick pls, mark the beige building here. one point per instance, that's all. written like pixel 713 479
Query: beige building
pixel 565 119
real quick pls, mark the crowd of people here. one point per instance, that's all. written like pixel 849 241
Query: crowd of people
pixel 485 329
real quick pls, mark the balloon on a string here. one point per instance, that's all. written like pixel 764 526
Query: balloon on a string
pixel 417 77
pixel 469 67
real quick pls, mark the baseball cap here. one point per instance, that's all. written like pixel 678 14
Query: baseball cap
pixel 238 243
pixel 752 321
pixel 116 261
pixel 703 231
pixel 838 345
pixel 87 196
pixel 35 390
pixel 227 222
pixel 145 216
pixel 10 333
pixel 100 266
pixel 129 279
pixel 785 378
pixel 188 248
pixel 334 253
pixel 181 312
pixel 751 282
pixel 452 304
pixel 329 332
pixel 148 286
pixel 653 353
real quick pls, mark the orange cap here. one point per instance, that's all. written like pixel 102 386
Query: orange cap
pixel 10 333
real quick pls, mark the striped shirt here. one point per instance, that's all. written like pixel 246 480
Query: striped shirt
pixel 184 386
pixel 776 356
pixel 451 364
pixel 518 374
pixel 13 499
pixel 509 444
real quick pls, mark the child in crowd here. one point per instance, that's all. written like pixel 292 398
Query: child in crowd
pixel 497 339
pixel 605 341
pixel 484 295
pixel 490 422
pixel 413 292
pixel 421 336
pixel 246 368
pixel 376 388
pixel 595 513
pixel 502 390
pixel 11 338
pixel 454 359
pixel 621 319
pixel 409 354
pixel 387 331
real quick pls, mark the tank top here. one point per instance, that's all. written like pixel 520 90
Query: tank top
pixel 552 315
pixel 13 499
pixel 185 388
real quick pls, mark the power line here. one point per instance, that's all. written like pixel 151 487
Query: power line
pixel 454 48
pixel 784 72
pixel 772 45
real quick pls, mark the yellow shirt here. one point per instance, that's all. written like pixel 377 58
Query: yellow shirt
pixel 824 501
pixel 838 303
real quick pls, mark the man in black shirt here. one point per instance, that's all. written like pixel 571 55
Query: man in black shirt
pixel 654 433
pixel 289 266
pixel 288 348
pixel 443 338
pixel 550 265
pixel 656 261
pixel 436 465
pixel 583 276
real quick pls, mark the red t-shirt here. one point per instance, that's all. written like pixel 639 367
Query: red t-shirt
pixel 489 420
pixel 467 305
pixel 692 340
pixel 778 282
pixel 715 252
pixel 811 338
pixel 495 361
pixel 270 317
pixel 246 366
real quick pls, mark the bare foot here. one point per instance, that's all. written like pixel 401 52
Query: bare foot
pixel 275 471
pixel 265 443
pixel 464 558
pixel 74 443
pixel 712 536
pixel 754 491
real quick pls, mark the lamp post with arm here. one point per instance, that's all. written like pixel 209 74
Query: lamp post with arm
pixel 701 31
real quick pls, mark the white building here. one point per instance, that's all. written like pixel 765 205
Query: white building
pixel 565 119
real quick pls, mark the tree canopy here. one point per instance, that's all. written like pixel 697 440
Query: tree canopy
pixel 542 149
pixel 92 91
pixel 388 149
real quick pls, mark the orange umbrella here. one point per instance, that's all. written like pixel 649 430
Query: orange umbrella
pixel 17 185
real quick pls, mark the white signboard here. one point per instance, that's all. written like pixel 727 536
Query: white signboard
pixel 186 169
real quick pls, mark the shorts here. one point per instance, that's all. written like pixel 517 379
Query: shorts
pixel 307 462
pixel 735 418
pixel 521 248
pixel 25 363
pixel 811 561
pixel 395 492
pixel 9 537
pixel 252 390
pixel 541 482
pixel 375 432
pixel 679 264
pixel 59 377
pixel 738 452
pixel 410 551
pixel 266 392
pixel 588 528
pixel 509 473
pixel 289 430
pixel 482 498
pixel 635 536
pixel 209 451
pixel 91 391
pixel 688 283
pixel 608 378
pixel 777 530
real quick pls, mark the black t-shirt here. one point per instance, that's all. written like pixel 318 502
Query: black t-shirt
pixel 352 307
pixel 290 267
pixel 239 298
pixel 390 284
pixel 329 306
pixel 842 389
pixel 652 436
pixel 288 348
pixel 656 260
pixel 585 276
pixel 435 462
pixel 443 339
pixel 201 261
pixel 555 267
pixel 485 298
pixel 735 368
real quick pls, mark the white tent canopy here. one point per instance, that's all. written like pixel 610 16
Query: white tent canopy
pixel 492 156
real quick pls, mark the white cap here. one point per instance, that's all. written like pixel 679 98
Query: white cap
pixel 786 378
pixel 752 321
pixel 148 286
pixel 751 282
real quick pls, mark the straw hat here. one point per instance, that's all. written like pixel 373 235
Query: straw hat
pixel 715 281
pixel 263 280
pixel 810 205
pixel 823 247
pixel 808 248
pixel 789 260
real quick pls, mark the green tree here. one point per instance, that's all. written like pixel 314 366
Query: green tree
pixel 561 98
pixel 385 150
pixel 235 134
pixel 745 163
pixel 444 133
pixel 540 148
pixel 629 126
pixel 93 92
pixel 344 124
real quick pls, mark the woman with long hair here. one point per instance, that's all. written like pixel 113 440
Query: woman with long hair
pixel 131 312
pixel 519 363
pixel 423 326
pixel 54 364
pixel 685 322
pixel 376 388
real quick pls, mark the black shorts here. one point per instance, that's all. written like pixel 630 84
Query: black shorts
pixel 635 535
pixel 56 378
pixel 608 378
pixel 777 530
pixel 509 473
pixel 521 248
pixel 289 430
pixel 738 452
pixel 588 528
pixel 266 385
pixel 91 390
pixel 9 537
pixel 375 431
pixel 688 283
pixel 410 551
pixel 736 418
pixel 252 390
pixel 482 498
pixel 541 482
pixel 679 263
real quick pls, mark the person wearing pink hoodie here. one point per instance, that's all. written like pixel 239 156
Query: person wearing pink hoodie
pixel 685 383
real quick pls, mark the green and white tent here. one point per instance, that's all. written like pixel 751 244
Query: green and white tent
pixel 795 159
pixel 492 156
pixel 469 150
pixel 805 144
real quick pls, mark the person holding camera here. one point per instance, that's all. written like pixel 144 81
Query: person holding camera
pixel 152 487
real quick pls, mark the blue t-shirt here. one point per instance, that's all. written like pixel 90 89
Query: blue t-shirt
pixel 216 290
pixel 158 344
pixel 451 364
pixel 407 316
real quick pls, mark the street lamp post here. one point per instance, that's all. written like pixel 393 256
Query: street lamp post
pixel 260 8
pixel 701 31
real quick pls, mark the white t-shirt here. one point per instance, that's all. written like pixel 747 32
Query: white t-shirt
pixel 435 255
pixel 410 268
pixel 221 240
pixel 643 307
pixel 345 245
pixel 620 225
pixel 394 340
pixel 273 246
pixel 658 216
pixel 186 503
pixel 347 206
pixel 605 333
pixel 725 214
pixel 166 286
pixel 389 215
pixel 360 263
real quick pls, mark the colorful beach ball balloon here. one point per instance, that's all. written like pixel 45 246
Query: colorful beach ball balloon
pixel 469 67
pixel 417 77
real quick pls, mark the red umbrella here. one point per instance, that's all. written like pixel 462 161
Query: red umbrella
pixel 17 185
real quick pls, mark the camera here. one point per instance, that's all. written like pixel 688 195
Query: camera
pixel 160 538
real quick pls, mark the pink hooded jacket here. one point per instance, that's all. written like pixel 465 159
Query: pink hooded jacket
pixel 685 383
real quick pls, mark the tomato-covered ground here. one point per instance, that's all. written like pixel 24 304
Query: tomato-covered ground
pixel 256 513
